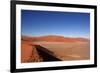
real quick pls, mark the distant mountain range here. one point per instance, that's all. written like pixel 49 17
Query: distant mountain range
pixel 54 38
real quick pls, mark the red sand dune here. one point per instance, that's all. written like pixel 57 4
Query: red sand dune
pixel 29 52
pixel 54 38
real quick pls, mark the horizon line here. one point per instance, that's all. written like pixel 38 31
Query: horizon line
pixel 57 35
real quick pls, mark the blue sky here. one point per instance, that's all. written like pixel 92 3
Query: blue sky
pixel 68 24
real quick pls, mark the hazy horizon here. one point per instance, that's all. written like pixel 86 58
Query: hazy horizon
pixel 43 23
pixel 55 36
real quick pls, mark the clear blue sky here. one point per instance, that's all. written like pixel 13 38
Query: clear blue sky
pixel 68 24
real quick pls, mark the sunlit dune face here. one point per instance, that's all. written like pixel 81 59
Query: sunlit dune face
pixel 29 53
pixel 26 51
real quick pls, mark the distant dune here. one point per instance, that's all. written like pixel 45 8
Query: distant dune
pixel 54 38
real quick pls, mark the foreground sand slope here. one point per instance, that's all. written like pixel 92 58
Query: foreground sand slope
pixel 29 53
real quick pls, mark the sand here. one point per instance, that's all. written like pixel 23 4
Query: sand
pixel 65 49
